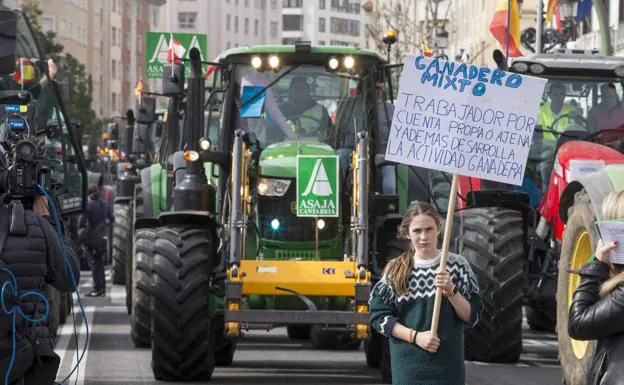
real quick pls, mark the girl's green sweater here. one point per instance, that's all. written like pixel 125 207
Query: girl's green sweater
pixel 412 365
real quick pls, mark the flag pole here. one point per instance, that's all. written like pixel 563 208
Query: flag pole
pixel 446 243
pixel 539 31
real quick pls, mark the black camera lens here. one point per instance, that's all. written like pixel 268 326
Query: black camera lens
pixel 25 151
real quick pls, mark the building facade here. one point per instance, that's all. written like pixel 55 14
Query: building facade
pixel 108 37
pixel 324 22
pixel 227 23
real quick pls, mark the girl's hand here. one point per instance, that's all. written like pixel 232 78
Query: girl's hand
pixel 443 280
pixel 604 251
pixel 428 341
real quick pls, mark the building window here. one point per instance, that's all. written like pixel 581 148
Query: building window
pixel 114 69
pixel 235 24
pixel 321 24
pixel 321 4
pixel 346 6
pixel 126 40
pixel 227 22
pixel 292 22
pixel 290 40
pixel 344 26
pixel 321 42
pixel 273 4
pixel 274 29
pixel 256 27
pixel 186 20
pixel 114 36
pixel 246 26
pixel 246 3
pixel 114 101
pixel 292 3
pixel 228 45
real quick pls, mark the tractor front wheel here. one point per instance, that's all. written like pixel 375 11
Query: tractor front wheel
pixel 141 318
pixel 492 240
pixel 579 241
pixel 121 241
pixel 182 336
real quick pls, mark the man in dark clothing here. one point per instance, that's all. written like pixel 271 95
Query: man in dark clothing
pixel 94 223
pixel 32 252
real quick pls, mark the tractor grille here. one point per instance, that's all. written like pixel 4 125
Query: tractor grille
pixel 291 228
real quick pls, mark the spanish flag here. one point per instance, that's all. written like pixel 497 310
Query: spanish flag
pixel 425 49
pixel 25 73
pixel 507 34
pixel 176 51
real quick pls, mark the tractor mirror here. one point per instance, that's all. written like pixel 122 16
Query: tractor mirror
pixel 173 79
pixel 147 110
pixel 8 41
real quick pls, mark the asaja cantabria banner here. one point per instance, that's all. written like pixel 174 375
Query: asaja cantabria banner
pixel 157 49
pixel 464 119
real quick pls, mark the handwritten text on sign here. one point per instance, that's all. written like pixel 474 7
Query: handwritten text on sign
pixel 464 119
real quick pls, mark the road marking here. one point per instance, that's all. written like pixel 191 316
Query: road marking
pixel 67 333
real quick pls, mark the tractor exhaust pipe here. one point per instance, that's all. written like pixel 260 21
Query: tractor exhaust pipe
pixel 362 215
pixel 236 221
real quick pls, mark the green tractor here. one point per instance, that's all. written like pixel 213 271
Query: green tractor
pixel 265 208
pixel 40 102
pixel 136 143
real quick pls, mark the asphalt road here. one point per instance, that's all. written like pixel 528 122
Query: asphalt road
pixel 261 357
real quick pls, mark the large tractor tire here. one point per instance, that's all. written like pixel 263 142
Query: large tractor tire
pixel 121 242
pixel 138 212
pixel 141 316
pixel 440 183
pixel 541 319
pixel 298 332
pixel 492 240
pixel 182 338
pixel 579 242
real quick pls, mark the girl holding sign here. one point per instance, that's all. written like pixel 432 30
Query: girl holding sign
pixel 597 309
pixel 402 302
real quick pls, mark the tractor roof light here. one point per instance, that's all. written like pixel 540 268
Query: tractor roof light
pixel 349 62
pixel 320 224
pixel 204 144
pixel 619 72
pixel 537 68
pixel 333 63
pixel 274 62
pixel 520 67
pixel 390 37
pixel 191 156
pixel 256 62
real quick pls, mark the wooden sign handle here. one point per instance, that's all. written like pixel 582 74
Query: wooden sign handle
pixel 448 230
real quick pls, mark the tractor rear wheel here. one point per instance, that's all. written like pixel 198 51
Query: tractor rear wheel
pixel 298 332
pixel 182 339
pixel 492 240
pixel 141 317
pixel 579 241
pixel 121 242
pixel 138 211
pixel 541 319
pixel 440 183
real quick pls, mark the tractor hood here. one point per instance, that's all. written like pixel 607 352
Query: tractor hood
pixel 280 159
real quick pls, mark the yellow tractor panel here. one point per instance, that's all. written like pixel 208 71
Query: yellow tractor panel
pixel 321 278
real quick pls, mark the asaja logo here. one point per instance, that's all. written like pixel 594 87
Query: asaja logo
pixel 157 50
pixel 317 186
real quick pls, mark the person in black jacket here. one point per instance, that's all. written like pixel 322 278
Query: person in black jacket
pixel 32 252
pixel 597 310
pixel 94 223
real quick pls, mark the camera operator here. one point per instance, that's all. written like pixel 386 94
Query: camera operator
pixel 30 248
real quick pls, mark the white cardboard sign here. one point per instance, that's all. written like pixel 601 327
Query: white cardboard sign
pixel 464 119
pixel 579 167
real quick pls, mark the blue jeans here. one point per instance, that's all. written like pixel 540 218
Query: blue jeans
pixel 97 270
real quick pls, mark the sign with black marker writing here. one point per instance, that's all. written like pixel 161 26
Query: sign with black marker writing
pixel 464 119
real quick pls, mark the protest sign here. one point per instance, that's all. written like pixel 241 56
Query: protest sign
pixel 465 120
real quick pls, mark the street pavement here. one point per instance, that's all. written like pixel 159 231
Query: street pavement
pixel 261 357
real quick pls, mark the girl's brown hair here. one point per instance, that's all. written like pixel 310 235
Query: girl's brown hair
pixel 613 208
pixel 398 270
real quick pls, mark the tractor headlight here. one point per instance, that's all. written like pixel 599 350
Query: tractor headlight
pixel 520 67
pixel 537 68
pixel 204 144
pixel 619 72
pixel 273 187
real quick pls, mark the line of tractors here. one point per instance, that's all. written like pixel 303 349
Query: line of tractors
pixel 209 245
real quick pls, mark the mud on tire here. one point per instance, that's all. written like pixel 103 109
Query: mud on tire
pixel 182 339
pixel 141 317
pixel 492 240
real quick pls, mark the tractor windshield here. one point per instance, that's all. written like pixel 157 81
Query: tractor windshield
pixel 305 102
pixel 572 108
